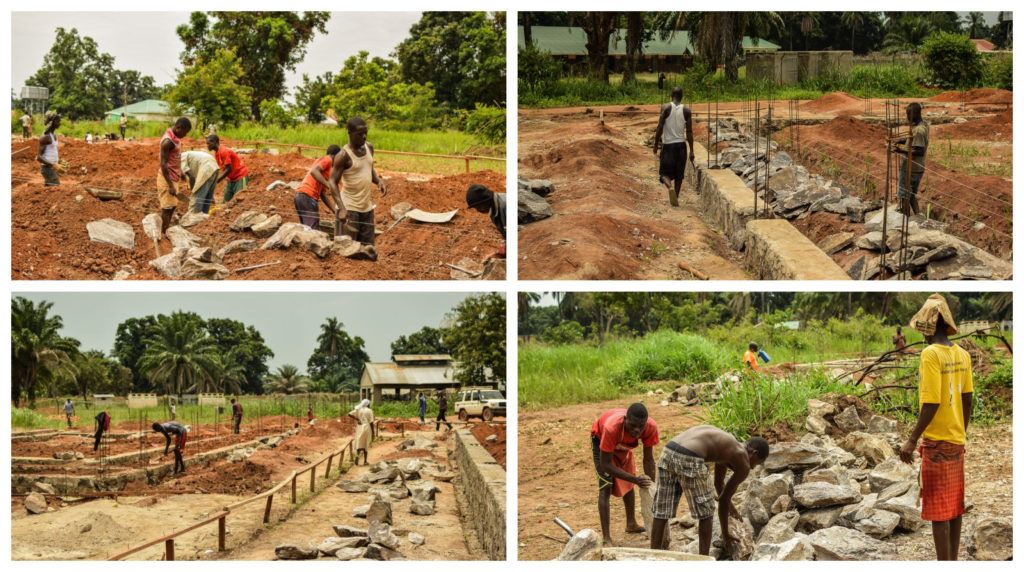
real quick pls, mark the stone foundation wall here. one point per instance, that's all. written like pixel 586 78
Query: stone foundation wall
pixel 483 484
pixel 776 250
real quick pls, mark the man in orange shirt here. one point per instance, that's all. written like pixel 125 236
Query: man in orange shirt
pixel 231 165
pixel 946 399
pixel 612 439
pixel 309 193
pixel 750 357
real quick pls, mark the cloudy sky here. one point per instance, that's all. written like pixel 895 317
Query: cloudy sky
pixel 146 41
pixel 289 322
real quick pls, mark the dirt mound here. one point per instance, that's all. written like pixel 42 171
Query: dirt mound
pixel 496 448
pixel 51 241
pixel 997 127
pixel 240 479
pixel 94 529
pixel 834 102
pixel 984 95
pixel 576 154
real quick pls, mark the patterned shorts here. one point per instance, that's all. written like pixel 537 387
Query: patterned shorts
pixel 679 474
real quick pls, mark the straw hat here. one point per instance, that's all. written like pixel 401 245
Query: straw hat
pixel 927 317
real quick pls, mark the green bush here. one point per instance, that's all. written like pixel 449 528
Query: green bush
pixel 30 419
pixel 487 123
pixel 952 60
pixel 537 67
pixel 999 71
pixel 273 112
pixel 666 355
pixel 568 332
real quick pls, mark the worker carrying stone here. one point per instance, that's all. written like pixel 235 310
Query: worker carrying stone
pixel 167 180
pixel 365 431
pixel 613 436
pixel 47 154
pixel 353 169
pixel 484 200
pixel 917 140
pixel 311 190
pixel 180 436
pixel 683 471
pixel 945 398
pixel 674 136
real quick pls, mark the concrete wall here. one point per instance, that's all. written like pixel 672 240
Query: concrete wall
pixel 788 68
pixel 775 249
pixel 483 483
pixel 141 400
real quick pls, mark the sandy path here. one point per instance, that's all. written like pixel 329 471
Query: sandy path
pixel 312 522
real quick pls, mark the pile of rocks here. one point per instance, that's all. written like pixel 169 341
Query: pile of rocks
pixel 696 393
pixel 532 204
pixel 282 235
pixel 387 481
pixel 793 192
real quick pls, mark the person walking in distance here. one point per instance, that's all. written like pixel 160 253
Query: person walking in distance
pixel 236 416
pixel 442 411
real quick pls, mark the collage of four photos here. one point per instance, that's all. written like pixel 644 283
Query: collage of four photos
pixel 353 400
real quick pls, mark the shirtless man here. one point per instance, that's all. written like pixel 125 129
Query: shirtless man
pixel 683 470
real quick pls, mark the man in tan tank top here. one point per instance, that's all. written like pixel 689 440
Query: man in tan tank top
pixel 353 168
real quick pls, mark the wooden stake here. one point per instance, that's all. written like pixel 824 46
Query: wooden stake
pixel 255 266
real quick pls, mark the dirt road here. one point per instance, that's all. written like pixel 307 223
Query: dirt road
pixel 557 478
pixel 311 523
pixel 612 217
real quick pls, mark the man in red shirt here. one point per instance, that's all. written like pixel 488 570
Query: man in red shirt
pixel 307 196
pixel 231 166
pixel 613 437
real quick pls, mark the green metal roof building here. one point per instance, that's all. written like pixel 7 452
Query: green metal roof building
pixel 145 110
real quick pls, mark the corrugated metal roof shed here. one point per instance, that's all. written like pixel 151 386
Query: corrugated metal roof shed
pixel 392 374
pixel 146 106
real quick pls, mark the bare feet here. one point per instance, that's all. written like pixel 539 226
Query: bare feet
pixel 607 542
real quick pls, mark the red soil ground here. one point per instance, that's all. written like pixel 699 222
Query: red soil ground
pixel 50 240
pixel 981 95
pixel 837 102
pixel 998 127
pixel 854 152
pixel 497 449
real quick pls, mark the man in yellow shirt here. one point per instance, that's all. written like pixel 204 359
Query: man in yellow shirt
pixel 946 391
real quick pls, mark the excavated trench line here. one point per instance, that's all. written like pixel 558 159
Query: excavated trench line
pixel 74 484
pixel 483 484
pixel 774 248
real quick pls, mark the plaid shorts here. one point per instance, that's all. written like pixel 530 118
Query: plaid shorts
pixel 942 480
pixel 679 474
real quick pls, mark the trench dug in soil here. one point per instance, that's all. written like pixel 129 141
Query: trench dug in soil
pixel 50 240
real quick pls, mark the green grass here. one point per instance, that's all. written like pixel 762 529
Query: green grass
pixel 48 413
pixel 862 81
pixel 962 157
pixel 550 376
pixel 759 402
pixel 439 142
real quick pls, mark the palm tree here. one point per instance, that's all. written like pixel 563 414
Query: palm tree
pixel 718 36
pixel 332 336
pixel 181 356
pixel 808 21
pixel 39 354
pixel 287 380
pixel 599 27
pixel 232 372
pixel 853 20
pixel 525 300
pixel 634 45
pixel 906 34
pixel 975 21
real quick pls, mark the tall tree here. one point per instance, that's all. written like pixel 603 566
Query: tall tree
pixel 718 36
pixel 477 339
pixel 130 86
pixel 287 380
pixel 129 345
pixel 425 341
pixel 853 20
pixel 338 358
pixel 635 35
pixel 77 74
pixel 975 24
pixel 599 27
pixel 309 96
pixel 268 45
pixel 461 54
pixel 38 351
pixel 181 356
pixel 214 88
pixel 244 354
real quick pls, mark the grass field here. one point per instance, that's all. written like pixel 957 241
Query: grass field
pixel 48 412
pixel 862 81
pixel 447 142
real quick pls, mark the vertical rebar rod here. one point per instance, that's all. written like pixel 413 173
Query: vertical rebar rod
pixel 757 136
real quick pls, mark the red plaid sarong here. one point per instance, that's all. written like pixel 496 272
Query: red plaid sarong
pixel 942 480
pixel 180 441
